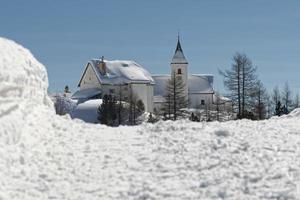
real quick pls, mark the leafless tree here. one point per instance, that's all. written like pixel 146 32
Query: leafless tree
pixel 287 97
pixel 260 102
pixel 239 80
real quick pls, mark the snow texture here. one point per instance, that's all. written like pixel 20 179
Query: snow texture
pixel 45 156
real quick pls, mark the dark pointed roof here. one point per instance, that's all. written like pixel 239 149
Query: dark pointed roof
pixel 178 56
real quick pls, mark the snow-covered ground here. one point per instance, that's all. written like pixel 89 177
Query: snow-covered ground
pixel 45 156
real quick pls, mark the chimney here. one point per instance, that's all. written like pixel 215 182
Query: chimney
pixel 102 66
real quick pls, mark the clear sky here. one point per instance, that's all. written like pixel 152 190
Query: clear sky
pixel 64 35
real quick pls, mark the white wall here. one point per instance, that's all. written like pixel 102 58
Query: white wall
pixel 145 93
pixel 89 79
pixel 195 99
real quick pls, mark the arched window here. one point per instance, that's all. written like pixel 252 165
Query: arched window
pixel 178 71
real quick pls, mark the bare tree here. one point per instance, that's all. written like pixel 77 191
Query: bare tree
pixel 276 95
pixel 260 101
pixel 120 107
pixel 239 80
pixel 287 97
pixel 136 107
pixel 296 101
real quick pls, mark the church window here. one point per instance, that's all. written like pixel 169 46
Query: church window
pixel 202 102
pixel 179 71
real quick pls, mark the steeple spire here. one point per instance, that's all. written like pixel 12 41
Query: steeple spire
pixel 178 56
pixel 178 48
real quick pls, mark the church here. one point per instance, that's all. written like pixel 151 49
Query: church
pixel 122 78
pixel 198 87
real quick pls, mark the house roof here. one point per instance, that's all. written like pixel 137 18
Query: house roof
pixel 197 84
pixel 120 72
pixel 86 93
pixel 178 56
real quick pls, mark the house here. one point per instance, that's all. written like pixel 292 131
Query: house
pixel 119 78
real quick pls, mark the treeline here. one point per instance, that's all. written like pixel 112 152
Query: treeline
pixel 249 96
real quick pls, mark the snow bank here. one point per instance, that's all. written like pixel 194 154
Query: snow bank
pixel 45 156
pixel 23 87
pixel 87 111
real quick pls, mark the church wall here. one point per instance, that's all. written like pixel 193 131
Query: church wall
pixel 195 99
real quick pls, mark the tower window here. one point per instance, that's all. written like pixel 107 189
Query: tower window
pixel 178 71
pixel 202 102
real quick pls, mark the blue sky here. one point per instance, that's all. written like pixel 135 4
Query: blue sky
pixel 64 35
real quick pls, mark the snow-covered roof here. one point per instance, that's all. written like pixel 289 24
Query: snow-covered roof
pixel 200 83
pixel 120 72
pixel 197 84
pixel 179 56
pixel 86 93
pixel 221 99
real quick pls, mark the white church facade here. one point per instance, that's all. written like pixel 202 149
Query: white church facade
pixel 122 78
pixel 198 87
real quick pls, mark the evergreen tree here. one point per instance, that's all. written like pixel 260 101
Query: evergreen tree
pixel 278 109
pixel 175 98
pixel 107 111
pixel 275 99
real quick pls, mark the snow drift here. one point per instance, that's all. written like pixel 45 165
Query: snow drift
pixel 44 156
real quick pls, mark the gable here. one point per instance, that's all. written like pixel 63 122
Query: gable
pixel 89 78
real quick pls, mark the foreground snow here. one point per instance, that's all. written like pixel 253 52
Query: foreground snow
pixel 45 156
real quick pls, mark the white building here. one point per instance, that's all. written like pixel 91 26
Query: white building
pixel 199 87
pixel 102 77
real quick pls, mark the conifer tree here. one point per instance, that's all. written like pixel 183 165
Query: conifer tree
pixel 107 111
pixel 175 98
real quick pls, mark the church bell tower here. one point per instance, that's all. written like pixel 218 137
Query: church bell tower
pixel 179 66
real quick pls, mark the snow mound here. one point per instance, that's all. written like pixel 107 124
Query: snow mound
pixel 295 113
pixel 87 111
pixel 23 87
pixel 59 158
